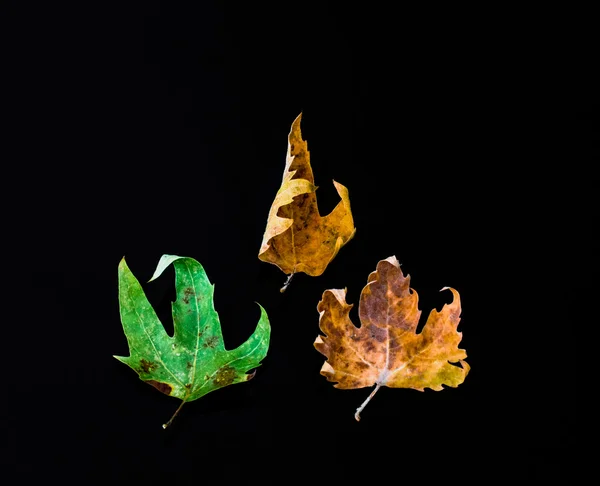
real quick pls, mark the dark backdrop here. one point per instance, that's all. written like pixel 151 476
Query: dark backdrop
pixel 465 140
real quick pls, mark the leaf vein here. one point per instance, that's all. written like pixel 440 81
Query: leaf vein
pixel 361 357
pixel 194 366
pixel 412 358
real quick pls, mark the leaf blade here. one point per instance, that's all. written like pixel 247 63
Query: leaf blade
pixel 194 361
pixel 386 350
pixel 297 238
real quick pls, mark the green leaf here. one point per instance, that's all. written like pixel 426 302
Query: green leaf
pixel 194 361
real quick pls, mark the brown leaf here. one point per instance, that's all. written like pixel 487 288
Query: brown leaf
pixel 297 238
pixel 386 350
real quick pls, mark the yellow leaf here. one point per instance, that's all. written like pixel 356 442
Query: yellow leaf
pixel 297 238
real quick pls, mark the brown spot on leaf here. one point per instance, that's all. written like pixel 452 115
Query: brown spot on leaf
pixel 225 376
pixel 335 332
pixel 378 333
pixel 211 342
pixel 189 365
pixel 369 346
pixel 187 292
pixel 162 387
pixel 147 366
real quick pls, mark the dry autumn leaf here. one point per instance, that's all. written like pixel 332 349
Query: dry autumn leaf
pixel 386 350
pixel 297 238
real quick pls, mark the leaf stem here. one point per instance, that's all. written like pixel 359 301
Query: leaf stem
pixel 364 404
pixel 174 415
pixel 287 282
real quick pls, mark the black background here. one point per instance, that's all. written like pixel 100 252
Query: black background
pixel 466 140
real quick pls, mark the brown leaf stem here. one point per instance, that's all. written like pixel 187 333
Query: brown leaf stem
pixel 287 282
pixel 174 415
pixel 364 404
